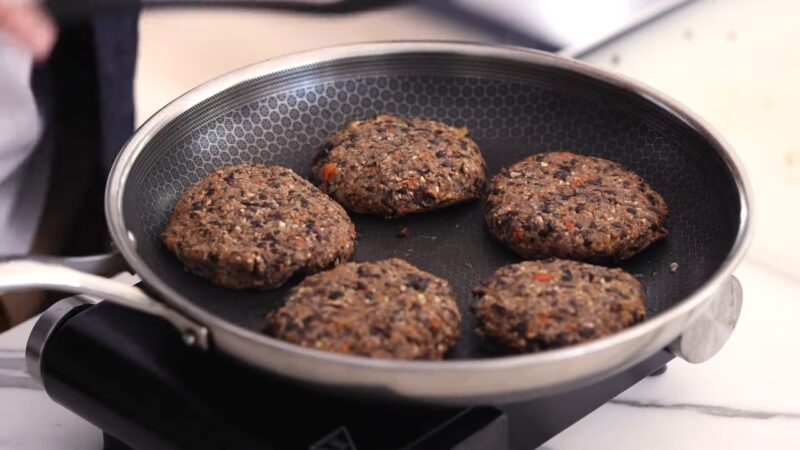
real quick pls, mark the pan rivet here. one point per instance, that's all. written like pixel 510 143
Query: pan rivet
pixel 189 338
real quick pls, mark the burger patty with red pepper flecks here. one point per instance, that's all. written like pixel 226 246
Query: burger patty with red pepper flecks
pixel 384 309
pixel 255 226
pixel 540 305
pixel 570 206
pixel 392 166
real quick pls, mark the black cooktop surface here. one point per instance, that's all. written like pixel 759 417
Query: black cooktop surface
pixel 131 375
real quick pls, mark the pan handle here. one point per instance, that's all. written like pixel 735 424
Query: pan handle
pixel 107 264
pixel 31 273
pixel 706 335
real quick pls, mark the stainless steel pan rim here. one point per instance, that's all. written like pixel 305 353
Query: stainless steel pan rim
pixel 686 310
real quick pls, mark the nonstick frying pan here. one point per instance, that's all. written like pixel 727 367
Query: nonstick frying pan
pixel 515 102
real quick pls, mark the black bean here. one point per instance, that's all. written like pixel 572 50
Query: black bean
pixel 548 228
pixel 417 282
pixel 530 226
pixel 498 309
pixel 586 331
pixel 377 331
pixel 423 197
pixel 537 343
pixel 587 238
pixel 562 175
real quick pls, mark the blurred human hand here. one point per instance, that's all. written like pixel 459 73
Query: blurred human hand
pixel 25 22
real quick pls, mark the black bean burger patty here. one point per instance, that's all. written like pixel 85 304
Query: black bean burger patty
pixel 384 309
pixel 392 166
pixel 255 226
pixel 576 207
pixel 539 305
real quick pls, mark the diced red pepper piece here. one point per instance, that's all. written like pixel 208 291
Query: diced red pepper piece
pixel 543 277
pixel 328 170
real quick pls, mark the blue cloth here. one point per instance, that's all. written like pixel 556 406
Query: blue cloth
pixel 85 88
pixel 116 38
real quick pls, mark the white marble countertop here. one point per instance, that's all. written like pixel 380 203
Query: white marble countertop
pixel 735 62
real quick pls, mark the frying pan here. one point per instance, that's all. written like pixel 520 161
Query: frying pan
pixel 515 102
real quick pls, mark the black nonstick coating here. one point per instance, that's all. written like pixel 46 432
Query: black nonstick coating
pixel 513 109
